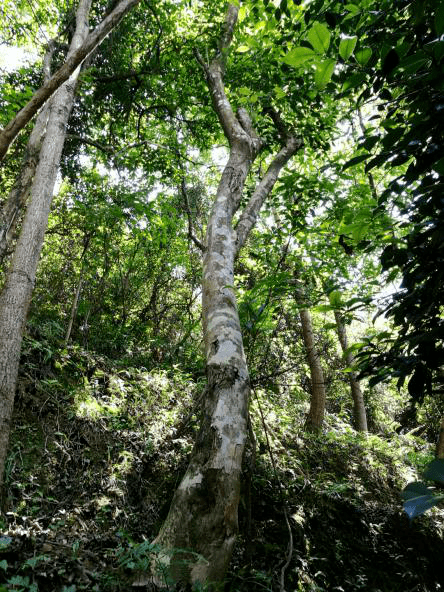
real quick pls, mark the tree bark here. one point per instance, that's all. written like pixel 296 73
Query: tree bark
pixel 18 196
pixel 315 416
pixel 74 59
pixel 359 413
pixel 74 306
pixel 440 442
pixel 203 512
pixel 16 295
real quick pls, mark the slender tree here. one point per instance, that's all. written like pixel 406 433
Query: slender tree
pixel 19 193
pixel 359 414
pixel 74 59
pixel 16 295
pixel 203 512
pixel 315 416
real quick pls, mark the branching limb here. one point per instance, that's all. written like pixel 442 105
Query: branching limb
pixel 11 130
pixel 252 209
pixel 238 127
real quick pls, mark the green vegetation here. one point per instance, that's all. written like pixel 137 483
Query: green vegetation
pixel 151 340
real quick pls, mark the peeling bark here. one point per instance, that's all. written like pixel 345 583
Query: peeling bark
pixel 16 295
pixel 203 512
pixel 359 413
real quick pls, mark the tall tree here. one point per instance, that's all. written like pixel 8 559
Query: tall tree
pixel 359 414
pixel 203 512
pixel 315 416
pixel 16 295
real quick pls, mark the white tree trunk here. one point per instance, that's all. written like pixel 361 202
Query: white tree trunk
pixel 203 513
pixel 16 295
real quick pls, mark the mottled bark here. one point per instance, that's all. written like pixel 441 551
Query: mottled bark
pixel 74 59
pixel 16 295
pixel 203 512
pixel 315 416
pixel 359 414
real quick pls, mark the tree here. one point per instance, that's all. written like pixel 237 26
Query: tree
pixel 403 69
pixel 19 193
pixel 359 414
pixel 16 294
pixel 203 513
pixel 73 61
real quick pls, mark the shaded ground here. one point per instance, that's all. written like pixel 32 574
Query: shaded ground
pixel 94 462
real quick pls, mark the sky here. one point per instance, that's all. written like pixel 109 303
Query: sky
pixel 12 57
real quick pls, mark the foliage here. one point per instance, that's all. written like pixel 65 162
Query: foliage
pixel 418 497
pixel 106 415
pixel 407 79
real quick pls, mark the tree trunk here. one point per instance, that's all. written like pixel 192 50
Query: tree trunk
pixel 16 295
pixel 18 196
pixel 316 412
pixel 440 442
pixel 359 414
pixel 74 59
pixel 203 512
pixel 74 306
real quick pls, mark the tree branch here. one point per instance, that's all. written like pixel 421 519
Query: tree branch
pixel 11 130
pixel 191 235
pixel 263 189
pixel 237 128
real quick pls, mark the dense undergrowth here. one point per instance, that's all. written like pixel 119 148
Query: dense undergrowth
pixel 98 449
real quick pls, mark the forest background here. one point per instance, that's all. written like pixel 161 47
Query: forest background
pixel 221 245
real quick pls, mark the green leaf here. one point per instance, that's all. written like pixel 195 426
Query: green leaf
pixel 319 37
pixel 279 92
pixel 3 564
pixel 355 160
pixel 324 72
pixel 347 47
pixel 298 56
pixel 439 19
pixel 243 48
pixel 335 298
pixel 412 63
pixel 354 81
pixel 363 55
pixel 418 499
pixel 435 470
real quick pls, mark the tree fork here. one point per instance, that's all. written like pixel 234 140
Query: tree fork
pixel 203 513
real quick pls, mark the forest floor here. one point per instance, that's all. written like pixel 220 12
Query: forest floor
pixel 97 452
